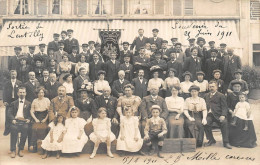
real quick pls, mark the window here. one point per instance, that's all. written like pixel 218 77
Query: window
pixel 142 7
pixel 188 7
pixel 21 7
pixel 41 7
pixel 118 6
pixel 3 7
pixel 101 7
pixel 256 54
pixel 255 9
pixel 56 7
pixel 176 7
pixel 80 7
pixel 159 7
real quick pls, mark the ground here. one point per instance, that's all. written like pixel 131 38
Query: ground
pixel 216 154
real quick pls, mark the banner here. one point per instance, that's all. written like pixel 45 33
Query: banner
pixel 109 42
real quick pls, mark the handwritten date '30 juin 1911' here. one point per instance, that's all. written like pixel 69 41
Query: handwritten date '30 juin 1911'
pixel 178 158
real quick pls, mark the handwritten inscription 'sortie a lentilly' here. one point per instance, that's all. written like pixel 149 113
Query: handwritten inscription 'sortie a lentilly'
pixel 22 30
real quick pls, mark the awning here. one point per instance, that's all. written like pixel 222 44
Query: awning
pixel 24 33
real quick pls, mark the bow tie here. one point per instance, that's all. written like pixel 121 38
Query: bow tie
pixel 21 101
pixel 106 98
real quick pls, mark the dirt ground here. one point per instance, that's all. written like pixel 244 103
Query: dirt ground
pixel 212 155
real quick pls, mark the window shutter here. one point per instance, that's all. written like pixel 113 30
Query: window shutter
pixel 177 6
pixel 188 10
pixel 3 7
pixel 255 9
pixel 80 7
pixel 159 6
pixel 118 6
pixel 42 7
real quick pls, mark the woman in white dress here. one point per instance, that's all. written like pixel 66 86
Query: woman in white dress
pixel 53 141
pixel 129 138
pixel 68 84
pixel 186 84
pixel 75 137
pixel 100 83
pixel 203 84
pixel 170 81
pixel 102 132
pixel 81 64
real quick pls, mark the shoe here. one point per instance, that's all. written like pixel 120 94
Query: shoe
pixel 210 142
pixel 92 155
pixel 228 146
pixel 13 154
pixel 20 153
pixel 199 144
pixel 31 148
pixel 110 154
pixel 45 156
pixel 151 152
pixel 233 123
pixel 142 153
pixel 58 155
pixel 159 154
pixel 6 133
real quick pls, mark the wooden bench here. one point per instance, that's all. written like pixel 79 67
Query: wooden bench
pixel 181 145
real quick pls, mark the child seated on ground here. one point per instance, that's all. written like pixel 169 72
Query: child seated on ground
pixel 242 111
pixel 75 137
pixel 102 132
pixel 129 138
pixel 155 129
pixel 53 141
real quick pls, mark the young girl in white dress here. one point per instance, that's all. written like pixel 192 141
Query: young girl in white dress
pixel 129 138
pixel 102 132
pixel 53 141
pixel 75 137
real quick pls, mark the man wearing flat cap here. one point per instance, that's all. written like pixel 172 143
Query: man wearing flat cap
pixel 124 52
pixel 222 51
pixel 217 112
pixel 70 41
pixel 165 51
pixel 13 62
pixel 211 48
pixel 231 64
pixel 42 54
pixel 213 63
pixel 158 63
pixel 139 42
pixel 30 55
pixel 54 44
pixel 156 39
pixel 58 54
pixel 174 40
pixel 191 45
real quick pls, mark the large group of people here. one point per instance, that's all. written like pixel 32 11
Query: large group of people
pixel 62 98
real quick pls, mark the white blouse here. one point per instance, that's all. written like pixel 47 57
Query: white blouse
pixel 99 86
pixel 204 85
pixel 81 65
pixel 155 82
pixel 69 87
pixel 175 104
pixel 185 86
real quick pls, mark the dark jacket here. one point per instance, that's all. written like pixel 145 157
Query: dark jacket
pixel 52 89
pixel 94 68
pixel 30 90
pixel 117 87
pixel 7 91
pixel 110 106
pixel 112 71
pixel 12 111
pixel 192 66
pixel 140 88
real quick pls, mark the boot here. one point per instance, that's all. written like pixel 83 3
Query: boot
pixel 159 154
pixel 46 154
pixel 151 150
pixel 58 155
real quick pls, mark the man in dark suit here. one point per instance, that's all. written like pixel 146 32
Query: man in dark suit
pixel 217 112
pixel 165 51
pixel 70 41
pixel 85 52
pixel 94 67
pixel 174 40
pixel 211 48
pixel 175 64
pixel 231 64
pixel 140 84
pixel 19 115
pixel 222 51
pixel 112 68
pixel 124 52
pixel 30 55
pixel 54 44
pixel 42 55
pixel 188 50
pixel 74 56
pixel 45 79
pixel 127 67
pixel 10 90
pixel 80 80
pixel 63 35
pixel 117 87
pixel 139 42
pixel 155 39
pixel 180 56
pixel 13 61
pixel 203 52
pixel 110 103
pixel 140 62
pixel 158 63
pixel 212 64
pixel 193 63
pixel 148 102
pixel 31 86
pixel 52 86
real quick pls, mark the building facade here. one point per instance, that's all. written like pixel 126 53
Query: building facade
pixel 234 22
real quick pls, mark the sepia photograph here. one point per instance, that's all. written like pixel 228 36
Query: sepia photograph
pixel 129 82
